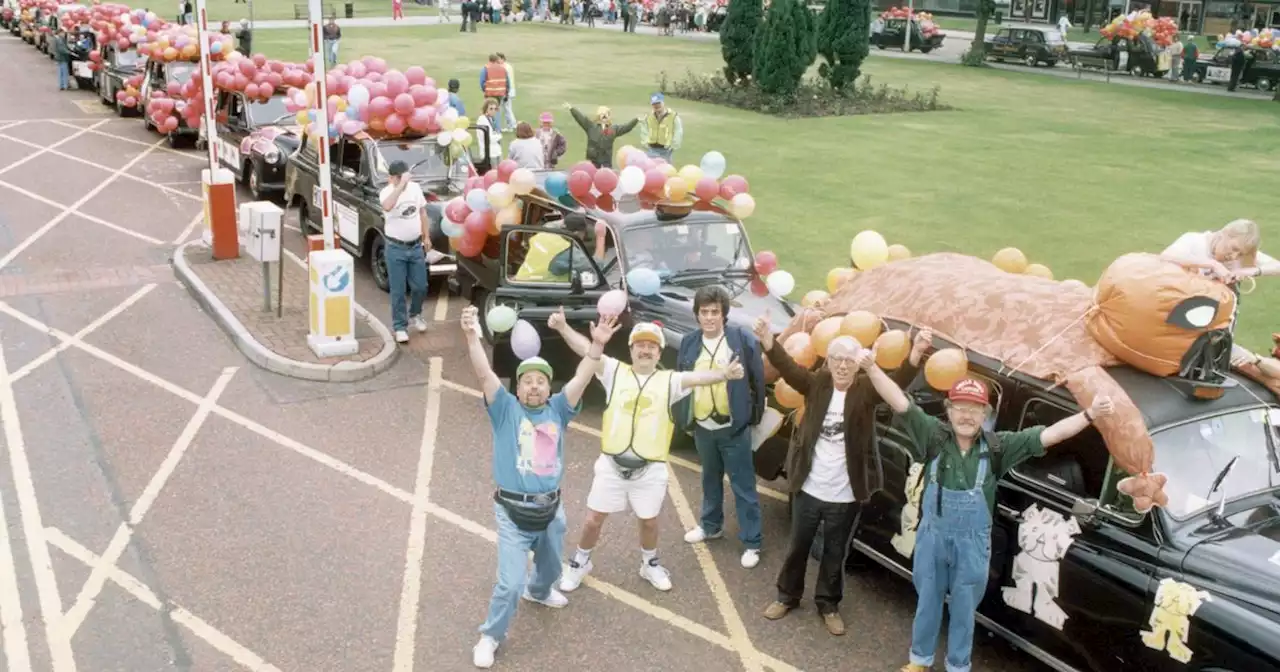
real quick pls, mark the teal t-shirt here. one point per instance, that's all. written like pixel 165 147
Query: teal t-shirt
pixel 528 444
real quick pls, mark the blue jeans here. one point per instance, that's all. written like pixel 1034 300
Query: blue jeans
pixel 406 265
pixel 506 115
pixel 514 545
pixel 952 557
pixel 722 453
pixel 331 52
pixel 64 75
pixel 664 154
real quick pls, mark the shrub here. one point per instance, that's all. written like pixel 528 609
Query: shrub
pixel 738 38
pixel 843 40
pixel 814 97
pixel 785 47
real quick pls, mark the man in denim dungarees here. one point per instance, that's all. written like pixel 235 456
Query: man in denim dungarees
pixel 953 542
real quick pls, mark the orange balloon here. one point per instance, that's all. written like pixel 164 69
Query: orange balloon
pixel 837 277
pixel 800 346
pixel 677 188
pixel 945 368
pixel 786 396
pixel 892 348
pixel 814 297
pixel 862 325
pixel 508 216
pixel 824 333
pixel 799 417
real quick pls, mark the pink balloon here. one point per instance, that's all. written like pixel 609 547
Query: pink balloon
pixel 251 91
pixel 356 69
pixel 396 83
pixel 247 68
pixel 404 104
pixel 223 80
pixel 171 124
pixel 239 82
pixel 173 88
pixel 415 75
pixel 374 77
pixel 457 211
pixel 395 124
pixel 419 121
pixel 429 94
pixel 490 179
pixel 332 108
pixel 352 127
pixel 266 90
pixel 259 60
pixel 606 181
pixel 419 94
pixel 505 168
pixel 377 90
pixel 331 83
pixel 380 106
pixel 375 64
pixel 427 81
pixel 612 302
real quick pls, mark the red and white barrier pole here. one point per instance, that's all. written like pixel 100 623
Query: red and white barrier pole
pixel 315 17
pixel 218 183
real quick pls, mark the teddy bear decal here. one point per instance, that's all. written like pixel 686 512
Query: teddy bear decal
pixel 1170 618
pixel 1044 537
pixel 904 542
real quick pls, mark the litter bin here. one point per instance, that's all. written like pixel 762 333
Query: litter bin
pixel 349 9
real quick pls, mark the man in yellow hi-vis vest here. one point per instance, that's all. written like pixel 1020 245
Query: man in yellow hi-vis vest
pixel 632 468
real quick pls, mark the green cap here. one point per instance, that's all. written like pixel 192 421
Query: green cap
pixel 533 364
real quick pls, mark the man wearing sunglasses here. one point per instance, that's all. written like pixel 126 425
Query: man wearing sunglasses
pixel 828 474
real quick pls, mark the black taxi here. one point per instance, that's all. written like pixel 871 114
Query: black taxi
pixel 255 139
pixel 1078 578
pixel 1031 45
pixel 116 66
pixel 358 172
pixel 1261 68
pixel 157 76
pixel 1139 56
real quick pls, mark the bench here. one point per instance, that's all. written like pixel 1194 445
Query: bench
pixel 303 11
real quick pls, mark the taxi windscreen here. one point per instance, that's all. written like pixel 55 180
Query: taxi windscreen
pixel 271 111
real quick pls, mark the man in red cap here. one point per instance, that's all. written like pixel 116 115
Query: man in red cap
pixel 962 464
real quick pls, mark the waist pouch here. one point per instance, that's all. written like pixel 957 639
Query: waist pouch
pixel 629 466
pixel 530 516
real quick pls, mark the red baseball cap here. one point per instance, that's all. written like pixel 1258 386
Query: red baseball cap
pixel 968 389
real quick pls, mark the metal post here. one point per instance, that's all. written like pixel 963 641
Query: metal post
pixel 314 17
pixel 250 15
pixel 266 286
pixel 911 15
pixel 280 283
pixel 206 81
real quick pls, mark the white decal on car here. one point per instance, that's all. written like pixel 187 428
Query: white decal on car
pixel 904 542
pixel 1044 535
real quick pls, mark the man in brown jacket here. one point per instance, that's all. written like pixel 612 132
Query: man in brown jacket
pixel 827 466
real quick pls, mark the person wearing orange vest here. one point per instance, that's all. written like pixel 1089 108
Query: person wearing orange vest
pixel 494 82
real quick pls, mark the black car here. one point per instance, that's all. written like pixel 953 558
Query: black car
pixel 116 66
pixel 689 248
pixel 1031 45
pixel 157 76
pixel 1139 56
pixel 358 172
pixel 1261 68
pixel 894 36
pixel 79 47
pixel 255 140
pixel 1078 578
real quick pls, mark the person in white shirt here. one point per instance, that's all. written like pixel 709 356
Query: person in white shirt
pixel 1229 254
pixel 636 437
pixel 1175 61
pixel 1064 24
pixel 407 235
pixel 489 119
pixel 508 119
pixel 526 150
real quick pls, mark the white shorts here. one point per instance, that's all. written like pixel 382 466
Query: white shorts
pixel 611 493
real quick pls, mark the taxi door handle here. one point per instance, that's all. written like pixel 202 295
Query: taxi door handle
pixel 1008 512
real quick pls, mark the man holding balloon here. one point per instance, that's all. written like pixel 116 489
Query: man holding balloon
pixel 635 439
pixel 963 462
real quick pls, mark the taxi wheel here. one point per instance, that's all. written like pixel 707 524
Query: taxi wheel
pixel 1264 84
pixel 378 262
pixel 1138 71
pixel 1030 61
pixel 255 182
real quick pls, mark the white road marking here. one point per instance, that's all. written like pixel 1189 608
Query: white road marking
pixel 13 629
pixel 159 185
pixel 124 533
pixel 442 307
pixel 198 627
pixel 191 226
pixel 32 527
pixel 69 210
pixel 92 326
pixel 44 150
pixel 411 590
pixel 54 204
pixel 168 150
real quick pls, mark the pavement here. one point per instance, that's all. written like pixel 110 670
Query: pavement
pixel 951 51
pixel 167 505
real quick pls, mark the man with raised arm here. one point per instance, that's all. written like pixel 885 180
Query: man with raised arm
pixel 638 425
pixel 962 462
pixel 528 462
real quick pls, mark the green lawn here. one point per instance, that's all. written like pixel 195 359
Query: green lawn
pixel 1075 173
pixel 230 10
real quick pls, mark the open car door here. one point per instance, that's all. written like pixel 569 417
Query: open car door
pixel 480 157
pixel 540 270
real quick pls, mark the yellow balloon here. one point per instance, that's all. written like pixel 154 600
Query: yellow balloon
pixel 522 181
pixel 302 118
pixel 813 297
pixel 945 368
pixel 1074 285
pixel 863 326
pixel 1010 260
pixel 892 348
pixel 447 124
pixel 309 91
pixel 691 174
pixel 825 332
pixel 899 252
pixel 837 277
pixel 742 205
pixel 869 250
pixel 677 189
pixel 1040 271
pixel 500 195
pixel 462 122
pixel 508 216
pixel 787 396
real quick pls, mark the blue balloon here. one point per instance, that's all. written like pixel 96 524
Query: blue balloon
pixel 557 185
pixel 215 48
pixel 478 200
pixel 568 201
pixel 450 229
pixel 643 281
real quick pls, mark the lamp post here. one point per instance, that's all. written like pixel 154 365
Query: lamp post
pixel 911 17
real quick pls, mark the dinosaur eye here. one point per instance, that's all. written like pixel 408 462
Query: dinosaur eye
pixel 1196 312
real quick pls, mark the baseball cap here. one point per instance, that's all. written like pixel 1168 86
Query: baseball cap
pixel 970 390
pixel 533 364
pixel 647 331
pixel 546 118
pixel 397 168
pixel 656 98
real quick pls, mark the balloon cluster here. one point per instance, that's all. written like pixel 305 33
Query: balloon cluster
pixel 1012 260
pixel 129 95
pixel 257 77
pixel 488 204
pixel 650 180
pixel 768 279
pixel 928 27
pixel 1163 31
pixel 72 19
pixel 1261 39
pixel 170 43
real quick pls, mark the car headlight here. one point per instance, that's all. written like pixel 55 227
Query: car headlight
pixel 271 155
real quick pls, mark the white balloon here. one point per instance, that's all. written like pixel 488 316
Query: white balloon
pixel 357 96
pixel 712 164
pixel 444 138
pixel 631 180
pixel 780 283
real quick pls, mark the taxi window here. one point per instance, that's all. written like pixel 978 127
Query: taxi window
pixel 1076 467
pixel 1035 37
pixel 351 156
pixel 547 258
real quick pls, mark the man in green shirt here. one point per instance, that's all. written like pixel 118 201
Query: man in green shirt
pixel 953 542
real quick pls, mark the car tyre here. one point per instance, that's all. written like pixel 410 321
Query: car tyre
pixel 1264 84
pixel 1138 71
pixel 254 180
pixel 1030 61
pixel 304 218
pixel 925 50
pixel 378 262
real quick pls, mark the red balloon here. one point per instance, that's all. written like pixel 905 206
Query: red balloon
pixel 606 181
pixel 707 189
pixel 470 245
pixel 477 223
pixel 732 186
pixel 766 262
pixel 758 287
pixel 584 166
pixel 505 168
pixel 579 183
pixel 654 181
pixel 457 211
pixel 490 178
pixel 606 202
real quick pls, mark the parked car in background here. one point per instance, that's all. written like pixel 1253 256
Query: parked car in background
pixel 117 66
pixel 157 76
pixel 1261 69
pixel 1140 56
pixel 80 45
pixel 1031 45
pixel 894 36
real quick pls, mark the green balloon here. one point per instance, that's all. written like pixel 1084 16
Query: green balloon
pixel 501 319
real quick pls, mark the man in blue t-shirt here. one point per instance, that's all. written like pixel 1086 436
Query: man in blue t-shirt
pixel 528 461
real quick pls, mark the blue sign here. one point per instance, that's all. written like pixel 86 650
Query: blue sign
pixel 336 280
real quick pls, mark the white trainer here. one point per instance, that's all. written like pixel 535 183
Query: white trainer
pixel 482 655
pixel 418 324
pixel 402 336
pixel 656 574
pixel 574 575
pixel 554 599
pixel 750 557
pixel 698 535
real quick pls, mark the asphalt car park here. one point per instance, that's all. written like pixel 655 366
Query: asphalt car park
pixel 167 505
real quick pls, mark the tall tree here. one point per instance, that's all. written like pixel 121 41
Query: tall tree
pixel 977 50
pixel 844 40
pixel 785 47
pixel 738 38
